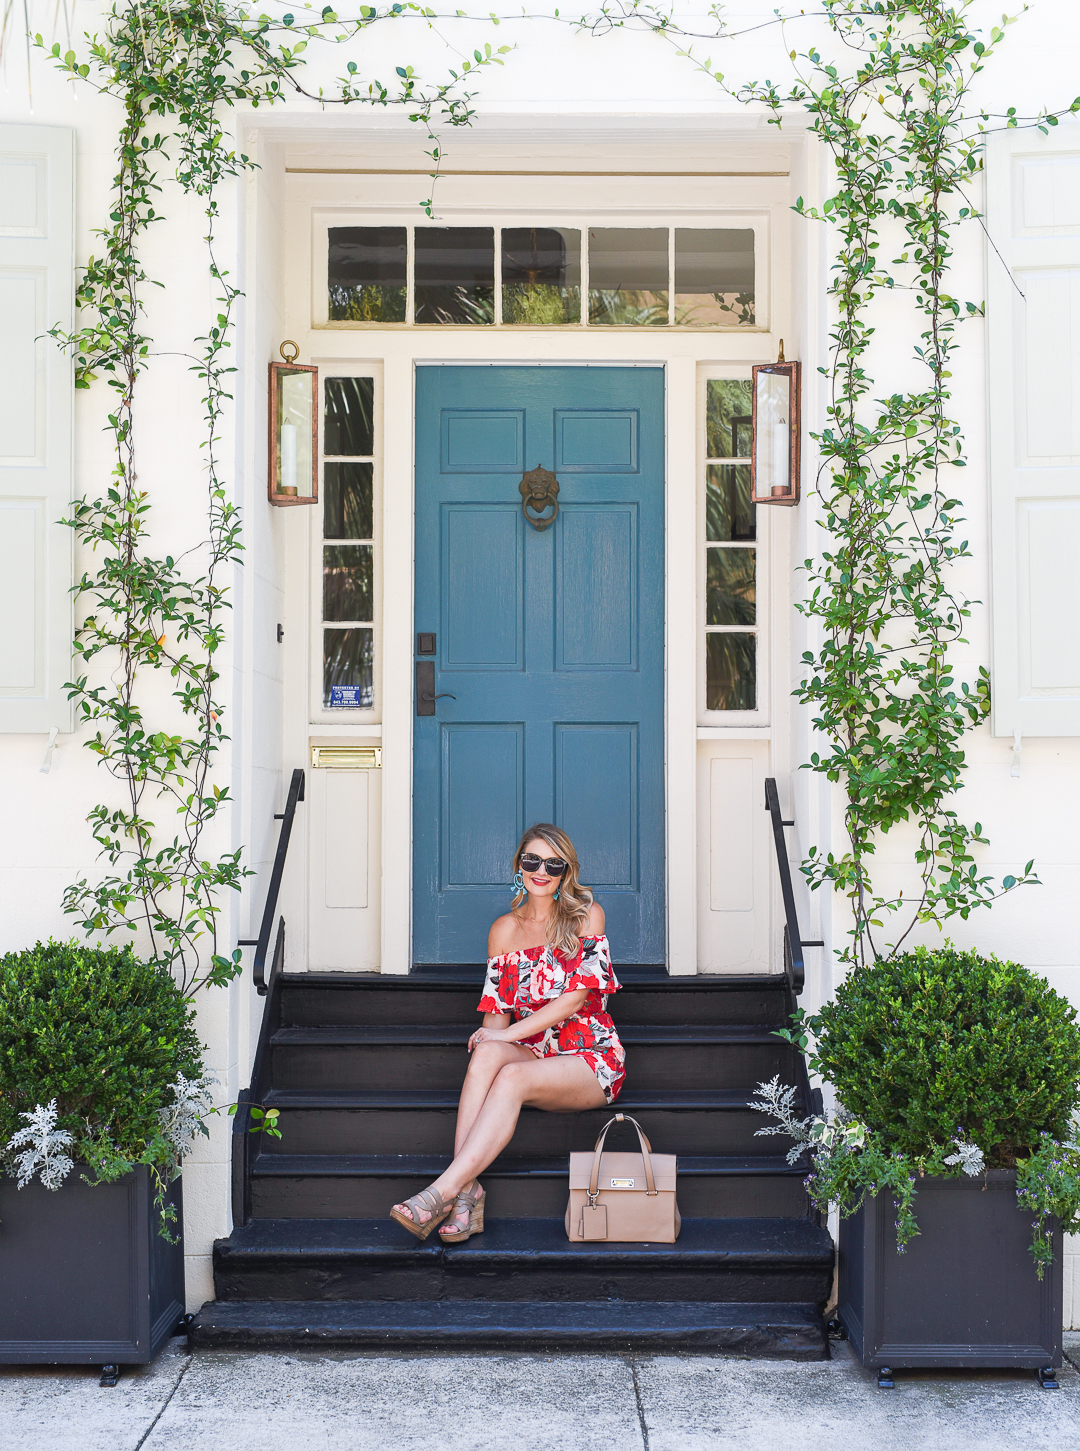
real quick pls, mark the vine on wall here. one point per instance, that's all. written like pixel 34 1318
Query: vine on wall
pixel 897 120
pixel 894 109
pixel 177 65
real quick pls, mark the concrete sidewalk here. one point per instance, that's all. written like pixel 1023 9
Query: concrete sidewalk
pixel 314 1402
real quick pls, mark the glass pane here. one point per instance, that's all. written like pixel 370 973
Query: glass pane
pixel 541 275
pixel 714 277
pixel 348 423
pixel 628 275
pixel 728 402
pixel 295 405
pixel 347 583
pixel 729 587
pixel 729 513
pixel 367 274
pixel 347 506
pixel 348 676
pixel 773 439
pixel 730 672
pixel 455 274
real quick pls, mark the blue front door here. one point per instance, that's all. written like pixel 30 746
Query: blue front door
pixel 548 645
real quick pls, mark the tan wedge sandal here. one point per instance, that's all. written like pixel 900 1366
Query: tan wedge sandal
pixel 465 1203
pixel 430 1201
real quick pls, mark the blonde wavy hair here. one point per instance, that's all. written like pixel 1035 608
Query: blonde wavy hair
pixel 570 911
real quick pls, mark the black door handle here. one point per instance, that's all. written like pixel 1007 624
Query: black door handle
pixel 425 688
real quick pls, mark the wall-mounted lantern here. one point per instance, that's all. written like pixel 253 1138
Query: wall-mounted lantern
pixel 774 468
pixel 294 430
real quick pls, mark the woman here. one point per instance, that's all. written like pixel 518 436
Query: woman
pixel 546 1039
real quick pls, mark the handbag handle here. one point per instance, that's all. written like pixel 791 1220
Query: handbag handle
pixel 646 1156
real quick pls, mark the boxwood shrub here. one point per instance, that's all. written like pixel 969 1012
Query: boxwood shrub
pixel 104 1034
pixel 931 1044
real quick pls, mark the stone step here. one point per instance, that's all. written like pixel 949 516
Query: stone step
pixel 382 1056
pixel 421 1121
pixel 450 995
pixel 780 1331
pixel 738 1259
pixel 361 1186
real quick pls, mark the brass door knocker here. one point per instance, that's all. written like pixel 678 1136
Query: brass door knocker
pixel 539 491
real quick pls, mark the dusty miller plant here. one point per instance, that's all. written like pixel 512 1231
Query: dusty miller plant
pixel 176 66
pixel 44 1148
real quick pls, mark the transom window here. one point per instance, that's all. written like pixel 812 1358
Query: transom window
pixel 347 583
pixel 542 276
pixel 731 563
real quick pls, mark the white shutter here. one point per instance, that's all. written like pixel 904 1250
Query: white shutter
pixel 36 404
pixel 1033 321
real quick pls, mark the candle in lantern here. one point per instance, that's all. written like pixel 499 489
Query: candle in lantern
pixel 288 458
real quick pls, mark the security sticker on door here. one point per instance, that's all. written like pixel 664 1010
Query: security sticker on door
pixel 349 696
pixel 622 1183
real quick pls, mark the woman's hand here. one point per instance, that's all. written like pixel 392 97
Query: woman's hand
pixel 489 1035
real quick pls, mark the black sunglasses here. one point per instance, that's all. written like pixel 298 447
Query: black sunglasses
pixel 555 865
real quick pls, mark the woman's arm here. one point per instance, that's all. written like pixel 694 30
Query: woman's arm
pixel 555 1012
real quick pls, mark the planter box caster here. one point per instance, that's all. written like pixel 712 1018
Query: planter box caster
pixel 885 1380
pixel 1047 1377
pixel 110 1374
pixel 835 1329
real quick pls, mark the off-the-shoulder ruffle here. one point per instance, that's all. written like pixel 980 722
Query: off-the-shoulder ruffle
pixel 534 952
pixel 592 968
pixel 588 969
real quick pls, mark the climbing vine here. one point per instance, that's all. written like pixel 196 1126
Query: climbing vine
pixel 891 101
pixel 893 107
pixel 175 66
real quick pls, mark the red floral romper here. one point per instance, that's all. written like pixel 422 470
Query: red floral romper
pixel 523 982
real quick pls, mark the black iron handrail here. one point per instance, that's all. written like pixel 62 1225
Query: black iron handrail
pixel 793 939
pixel 261 943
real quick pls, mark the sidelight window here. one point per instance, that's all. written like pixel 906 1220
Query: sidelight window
pixel 542 276
pixel 347 548
pixel 731 550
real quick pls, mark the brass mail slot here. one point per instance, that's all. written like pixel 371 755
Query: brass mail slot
pixel 347 758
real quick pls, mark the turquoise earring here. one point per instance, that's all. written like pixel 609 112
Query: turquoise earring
pixel 519 883
pixel 556 896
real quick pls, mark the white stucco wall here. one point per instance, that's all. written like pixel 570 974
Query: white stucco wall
pixel 554 72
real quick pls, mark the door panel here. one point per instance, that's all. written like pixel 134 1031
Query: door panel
pixel 482 443
pixel 596 798
pixel 482 603
pixel 549 659
pixel 596 588
pixel 598 443
pixel 482 801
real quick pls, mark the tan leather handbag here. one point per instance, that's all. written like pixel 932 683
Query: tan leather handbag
pixel 627 1198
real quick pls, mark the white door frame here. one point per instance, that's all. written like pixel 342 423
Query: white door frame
pixel 683 353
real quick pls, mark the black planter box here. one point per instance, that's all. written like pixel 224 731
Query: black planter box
pixel 85 1276
pixel 965 1292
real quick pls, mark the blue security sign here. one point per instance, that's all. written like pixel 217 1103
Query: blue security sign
pixel 348 696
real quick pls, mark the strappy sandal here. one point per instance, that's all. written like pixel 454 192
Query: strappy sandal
pixel 465 1203
pixel 430 1201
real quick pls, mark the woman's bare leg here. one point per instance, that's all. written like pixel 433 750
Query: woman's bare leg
pixel 563 1084
pixel 485 1063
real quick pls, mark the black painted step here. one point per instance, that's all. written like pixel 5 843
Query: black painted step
pixel 515 1259
pixel 358 1186
pixel 312 999
pixel 784 1331
pixel 421 1121
pixel 358 1056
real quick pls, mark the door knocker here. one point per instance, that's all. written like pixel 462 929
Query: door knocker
pixel 539 491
